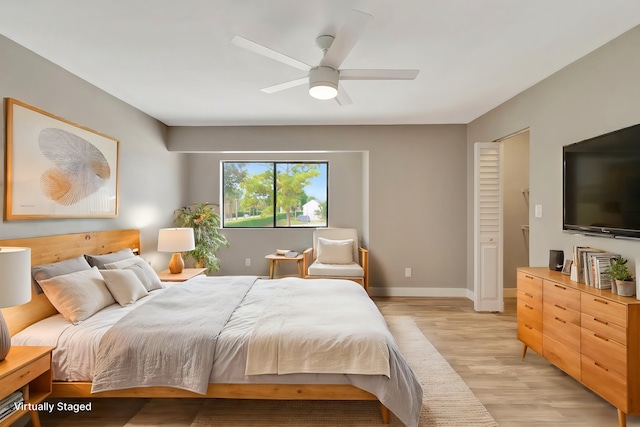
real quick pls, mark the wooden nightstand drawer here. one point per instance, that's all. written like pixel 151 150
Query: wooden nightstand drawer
pixel 24 375
pixel 606 352
pixel 557 294
pixel 605 382
pixel 604 309
pixel 604 328
pixel 529 284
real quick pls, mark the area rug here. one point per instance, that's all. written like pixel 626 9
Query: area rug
pixel 448 401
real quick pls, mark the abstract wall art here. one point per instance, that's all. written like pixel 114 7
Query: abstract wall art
pixel 56 168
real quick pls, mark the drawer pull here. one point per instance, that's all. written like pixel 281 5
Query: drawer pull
pixel 528 306
pixel 528 327
pixel 601 337
pixel 601 367
pixel 527 294
pixel 560 320
pixel 559 306
pixel 561 287
pixel 528 277
pixel 604 322
pixel 601 301
pixel 25 374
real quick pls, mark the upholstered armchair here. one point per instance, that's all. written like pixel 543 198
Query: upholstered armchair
pixel 336 254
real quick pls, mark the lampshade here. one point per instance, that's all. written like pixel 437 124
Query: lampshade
pixel 15 276
pixel 323 82
pixel 15 287
pixel 176 240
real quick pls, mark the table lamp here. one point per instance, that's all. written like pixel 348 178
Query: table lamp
pixel 15 287
pixel 176 240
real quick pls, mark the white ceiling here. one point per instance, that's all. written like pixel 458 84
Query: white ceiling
pixel 174 60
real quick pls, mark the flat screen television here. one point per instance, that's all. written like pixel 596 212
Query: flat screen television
pixel 601 184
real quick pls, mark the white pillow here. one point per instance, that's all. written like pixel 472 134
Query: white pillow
pixel 124 285
pixel 335 251
pixel 78 295
pixel 143 271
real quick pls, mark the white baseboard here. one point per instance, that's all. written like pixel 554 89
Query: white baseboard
pixel 432 292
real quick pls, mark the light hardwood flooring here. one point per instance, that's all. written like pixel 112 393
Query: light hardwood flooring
pixel 481 347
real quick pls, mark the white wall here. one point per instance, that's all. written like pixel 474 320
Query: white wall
pixel 152 179
pixel 597 94
pixel 412 196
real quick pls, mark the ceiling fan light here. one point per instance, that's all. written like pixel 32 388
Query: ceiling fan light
pixel 323 83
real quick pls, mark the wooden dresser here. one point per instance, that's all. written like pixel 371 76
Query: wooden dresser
pixel 591 334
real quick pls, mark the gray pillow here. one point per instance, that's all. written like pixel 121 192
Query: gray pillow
pixel 100 260
pixel 124 285
pixel 47 271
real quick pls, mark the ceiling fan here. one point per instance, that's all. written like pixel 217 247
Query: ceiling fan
pixel 324 79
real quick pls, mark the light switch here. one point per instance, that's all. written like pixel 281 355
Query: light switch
pixel 538 211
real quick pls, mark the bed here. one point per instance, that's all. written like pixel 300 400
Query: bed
pixel 238 366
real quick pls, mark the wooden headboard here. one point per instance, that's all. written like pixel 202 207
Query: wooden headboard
pixel 48 249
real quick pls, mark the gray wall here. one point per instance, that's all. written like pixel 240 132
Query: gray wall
pixel 152 179
pixel 597 94
pixel 413 186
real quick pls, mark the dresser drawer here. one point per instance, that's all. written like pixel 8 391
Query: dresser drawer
pixel 560 295
pixel 559 327
pixel 607 383
pixel 566 314
pixel 24 375
pixel 530 299
pixel 531 337
pixel 562 356
pixel 608 353
pixel 529 284
pixel 609 311
pixel 529 315
pixel 604 328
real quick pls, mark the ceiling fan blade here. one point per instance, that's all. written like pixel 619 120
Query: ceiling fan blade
pixel 343 98
pixel 346 38
pixel 286 85
pixel 269 53
pixel 378 74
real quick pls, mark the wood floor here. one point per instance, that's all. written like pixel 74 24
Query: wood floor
pixel 481 347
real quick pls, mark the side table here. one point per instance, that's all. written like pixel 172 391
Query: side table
pixel 276 259
pixel 186 274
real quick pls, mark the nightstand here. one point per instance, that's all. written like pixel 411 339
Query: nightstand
pixel 187 273
pixel 276 259
pixel 28 369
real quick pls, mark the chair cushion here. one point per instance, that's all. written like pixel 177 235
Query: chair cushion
pixel 335 270
pixel 335 251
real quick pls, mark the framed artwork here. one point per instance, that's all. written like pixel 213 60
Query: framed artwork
pixel 566 268
pixel 56 168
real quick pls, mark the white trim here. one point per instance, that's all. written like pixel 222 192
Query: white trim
pixel 420 292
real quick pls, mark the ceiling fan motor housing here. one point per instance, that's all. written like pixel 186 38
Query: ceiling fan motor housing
pixel 323 82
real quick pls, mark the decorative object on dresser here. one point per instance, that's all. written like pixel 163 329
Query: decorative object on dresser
pixel 205 221
pixel 15 287
pixel 556 260
pixel 618 270
pixel 589 333
pixel 176 240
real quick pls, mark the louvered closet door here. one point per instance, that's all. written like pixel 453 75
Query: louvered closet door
pixel 487 263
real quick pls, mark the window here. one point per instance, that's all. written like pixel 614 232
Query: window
pixel 275 194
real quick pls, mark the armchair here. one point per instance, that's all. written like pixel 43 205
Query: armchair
pixel 336 254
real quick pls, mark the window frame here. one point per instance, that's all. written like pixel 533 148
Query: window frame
pixel 274 196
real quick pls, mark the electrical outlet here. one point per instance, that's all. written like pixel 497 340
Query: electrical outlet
pixel 247 262
pixel 538 211
pixel 407 272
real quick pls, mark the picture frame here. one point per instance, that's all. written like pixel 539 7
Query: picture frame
pixel 566 268
pixel 56 168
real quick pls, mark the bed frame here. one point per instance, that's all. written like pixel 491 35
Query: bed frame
pixel 50 249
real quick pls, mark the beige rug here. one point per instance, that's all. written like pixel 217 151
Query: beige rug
pixel 447 399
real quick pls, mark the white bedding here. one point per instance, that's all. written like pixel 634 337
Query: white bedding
pixel 76 348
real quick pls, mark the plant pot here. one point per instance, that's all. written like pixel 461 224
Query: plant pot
pixel 626 288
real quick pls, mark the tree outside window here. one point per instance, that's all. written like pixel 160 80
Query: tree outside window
pixel 275 194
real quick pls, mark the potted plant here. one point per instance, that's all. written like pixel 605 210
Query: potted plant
pixel 624 280
pixel 205 221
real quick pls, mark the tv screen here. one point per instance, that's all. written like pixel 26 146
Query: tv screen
pixel 601 192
